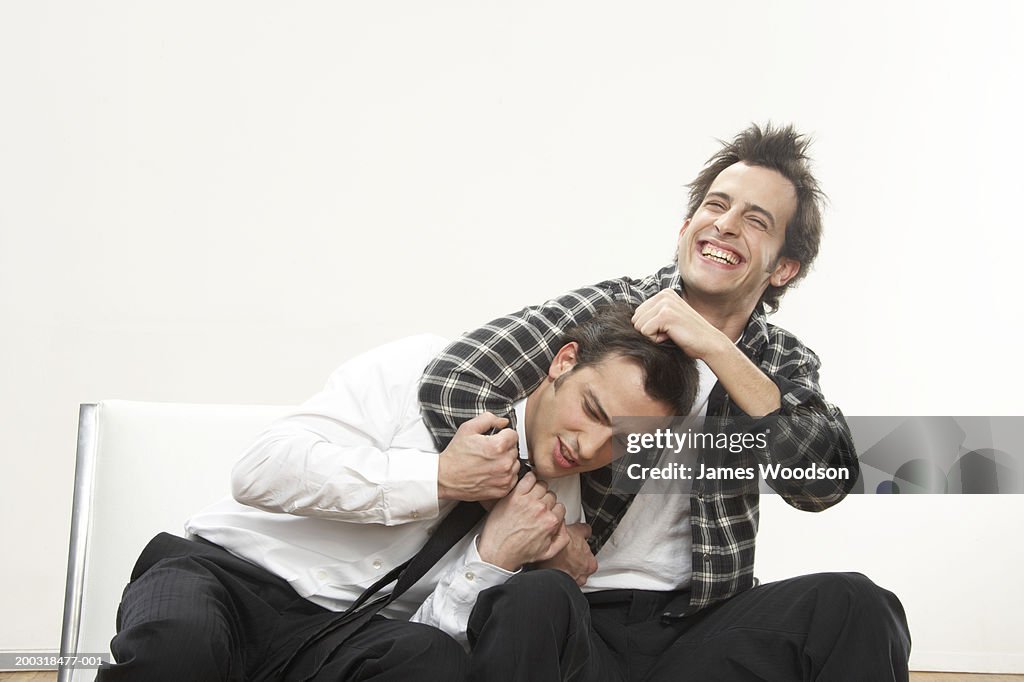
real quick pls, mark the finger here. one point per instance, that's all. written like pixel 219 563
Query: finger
pixel 559 543
pixel 549 500
pixel 507 440
pixel 559 511
pixel 654 329
pixel 642 310
pixel 650 321
pixel 525 484
pixel 482 423
pixel 582 529
pixel 539 490
pixel 561 540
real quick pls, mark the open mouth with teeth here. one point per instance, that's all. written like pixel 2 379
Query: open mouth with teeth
pixel 562 455
pixel 719 255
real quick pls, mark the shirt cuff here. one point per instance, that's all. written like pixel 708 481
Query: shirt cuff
pixel 470 578
pixel 412 487
pixel 792 395
pixel 488 574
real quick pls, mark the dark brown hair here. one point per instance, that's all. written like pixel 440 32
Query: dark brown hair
pixel 670 375
pixel 783 150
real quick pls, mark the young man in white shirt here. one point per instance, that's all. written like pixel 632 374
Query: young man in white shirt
pixel 335 495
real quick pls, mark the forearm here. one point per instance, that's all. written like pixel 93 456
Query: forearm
pixel 802 430
pixel 748 387
pixel 356 451
pixel 292 470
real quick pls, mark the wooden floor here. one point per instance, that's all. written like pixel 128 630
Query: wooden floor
pixel 914 677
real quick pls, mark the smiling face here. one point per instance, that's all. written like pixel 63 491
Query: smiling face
pixel 568 417
pixel 729 249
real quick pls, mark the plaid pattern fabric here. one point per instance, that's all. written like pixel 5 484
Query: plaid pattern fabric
pixel 500 363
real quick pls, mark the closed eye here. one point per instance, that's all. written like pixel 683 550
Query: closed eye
pixel 717 200
pixel 592 408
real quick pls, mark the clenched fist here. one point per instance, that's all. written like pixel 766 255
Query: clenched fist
pixel 477 466
pixel 576 558
pixel 526 526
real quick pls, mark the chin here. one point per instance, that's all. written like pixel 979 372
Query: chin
pixel 545 472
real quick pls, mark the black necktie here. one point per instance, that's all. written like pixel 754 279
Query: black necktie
pixel 453 528
pixel 446 535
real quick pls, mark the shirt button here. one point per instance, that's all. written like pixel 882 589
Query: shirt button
pixel 470 576
pixel 415 514
pixel 377 564
pixel 707 557
pixel 700 496
pixel 321 575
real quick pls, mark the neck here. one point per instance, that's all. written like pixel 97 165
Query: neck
pixel 727 317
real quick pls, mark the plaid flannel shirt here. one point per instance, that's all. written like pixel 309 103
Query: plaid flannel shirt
pixel 502 362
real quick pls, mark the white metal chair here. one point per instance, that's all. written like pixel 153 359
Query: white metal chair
pixel 141 468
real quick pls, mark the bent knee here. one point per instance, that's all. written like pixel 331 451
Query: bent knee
pixel 423 647
pixel 544 585
pixel 864 598
pixel 526 594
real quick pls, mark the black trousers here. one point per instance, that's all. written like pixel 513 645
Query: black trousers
pixel 540 627
pixel 194 612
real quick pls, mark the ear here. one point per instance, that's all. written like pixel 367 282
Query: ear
pixel 686 224
pixel 564 360
pixel 785 270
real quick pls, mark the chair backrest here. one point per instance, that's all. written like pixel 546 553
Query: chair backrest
pixel 141 468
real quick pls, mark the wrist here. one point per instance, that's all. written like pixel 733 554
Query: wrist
pixel 444 492
pixel 495 557
pixel 719 349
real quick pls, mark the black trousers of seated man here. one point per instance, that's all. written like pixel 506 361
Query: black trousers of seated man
pixel 539 627
pixel 194 612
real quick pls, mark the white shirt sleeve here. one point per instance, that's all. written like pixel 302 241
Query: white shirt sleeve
pixel 352 452
pixel 449 605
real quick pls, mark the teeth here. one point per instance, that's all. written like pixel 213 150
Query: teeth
pixel 719 255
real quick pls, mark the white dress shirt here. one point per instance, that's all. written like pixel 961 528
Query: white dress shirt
pixel 651 547
pixel 343 489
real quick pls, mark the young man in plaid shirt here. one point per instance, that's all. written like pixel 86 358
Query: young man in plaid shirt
pixel 673 594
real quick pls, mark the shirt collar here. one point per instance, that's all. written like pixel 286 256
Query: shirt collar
pixel 519 409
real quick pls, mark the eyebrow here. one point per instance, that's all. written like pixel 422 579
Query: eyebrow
pixel 595 405
pixel 749 206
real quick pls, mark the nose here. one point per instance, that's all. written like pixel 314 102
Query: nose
pixel 595 444
pixel 728 222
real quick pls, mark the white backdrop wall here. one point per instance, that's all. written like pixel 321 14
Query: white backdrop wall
pixel 219 201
